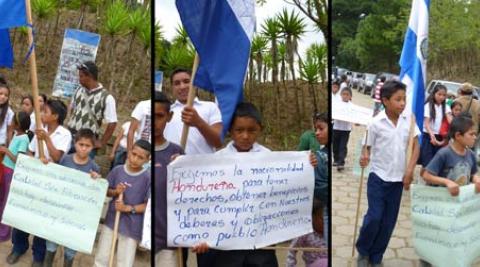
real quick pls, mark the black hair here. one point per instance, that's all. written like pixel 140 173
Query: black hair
pixel 4 107
pixel 336 82
pixel 322 117
pixel 348 90
pixel 85 133
pixel 456 103
pixel 390 88
pixel 383 78
pixel 460 124
pixel 44 97
pixel 431 101
pixel 246 109
pixel 179 70
pixel 59 108
pixel 89 68
pixel 343 77
pixel 22 119
pixel 29 97
pixel 3 80
pixel 144 144
pixel 162 98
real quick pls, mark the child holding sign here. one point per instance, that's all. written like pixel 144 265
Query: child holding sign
pixel 19 144
pixel 56 141
pixel 84 143
pixel 164 150
pixel 454 165
pixel 133 181
pixel 387 141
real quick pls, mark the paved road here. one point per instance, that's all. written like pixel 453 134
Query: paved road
pixel 345 186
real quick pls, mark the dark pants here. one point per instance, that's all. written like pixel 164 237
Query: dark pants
pixel 20 244
pixel 427 150
pixel 340 141
pixel 207 259
pixel 246 258
pixel 378 224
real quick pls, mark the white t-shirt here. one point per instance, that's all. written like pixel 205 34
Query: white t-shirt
pixel 61 139
pixel 196 143
pixel 125 128
pixel 435 126
pixel 143 114
pixel 6 122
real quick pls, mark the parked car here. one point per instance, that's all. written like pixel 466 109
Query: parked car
pixel 340 71
pixel 367 85
pixel 357 79
pixel 388 77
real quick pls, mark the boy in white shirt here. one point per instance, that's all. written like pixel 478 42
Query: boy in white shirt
pixel 387 141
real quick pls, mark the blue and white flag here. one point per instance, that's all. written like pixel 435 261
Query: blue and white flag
pixel 413 61
pixel 14 15
pixel 222 32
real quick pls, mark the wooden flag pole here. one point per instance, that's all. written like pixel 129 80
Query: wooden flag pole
pixel 115 233
pixel 191 97
pixel 183 140
pixel 358 201
pixel 33 76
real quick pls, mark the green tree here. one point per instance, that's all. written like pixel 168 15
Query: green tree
pixel 271 29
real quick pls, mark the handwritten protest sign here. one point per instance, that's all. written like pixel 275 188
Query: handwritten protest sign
pixel 147 228
pixel 239 201
pixel 446 229
pixel 352 113
pixel 57 203
pixel 78 46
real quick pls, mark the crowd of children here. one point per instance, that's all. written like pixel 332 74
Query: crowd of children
pixel 129 178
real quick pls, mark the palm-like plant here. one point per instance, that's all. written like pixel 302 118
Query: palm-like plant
pixel 178 57
pixel 181 38
pixel 115 24
pixel 271 30
pixel 310 71
pixel 282 57
pixel 136 23
pixel 319 53
pixel 293 27
pixel 259 45
pixel 43 10
pixel 83 5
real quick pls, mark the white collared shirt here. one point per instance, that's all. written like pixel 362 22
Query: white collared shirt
pixel 4 127
pixel 142 113
pixel 196 143
pixel 230 148
pixel 388 146
pixel 437 123
pixel 61 139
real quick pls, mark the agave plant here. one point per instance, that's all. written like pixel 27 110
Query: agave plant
pixel 136 22
pixel 310 71
pixel 259 45
pixel 293 27
pixel 115 25
pixel 83 6
pixel 178 57
pixel 43 10
pixel 181 38
pixel 271 30
pixel 319 52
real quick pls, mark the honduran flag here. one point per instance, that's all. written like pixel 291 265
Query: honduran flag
pixel 413 61
pixel 222 32
pixel 13 15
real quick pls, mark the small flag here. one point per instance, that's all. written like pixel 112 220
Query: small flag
pixel 14 16
pixel 221 31
pixel 413 61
